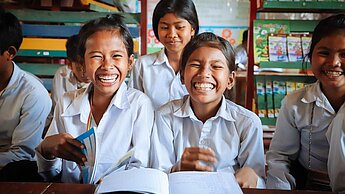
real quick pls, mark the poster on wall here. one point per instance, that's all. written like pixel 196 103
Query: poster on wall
pixel 226 18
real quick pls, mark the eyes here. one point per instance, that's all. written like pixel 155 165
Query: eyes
pixel 177 27
pixel 100 57
pixel 326 53
pixel 212 66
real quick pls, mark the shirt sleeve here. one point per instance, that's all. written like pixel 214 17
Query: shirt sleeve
pixel 162 150
pixel 336 155
pixel 48 169
pixel 27 134
pixel 285 143
pixel 142 132
pixel 251 153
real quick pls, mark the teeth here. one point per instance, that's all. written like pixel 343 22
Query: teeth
pixel 204 86
pixel 333 73
pixel 108 78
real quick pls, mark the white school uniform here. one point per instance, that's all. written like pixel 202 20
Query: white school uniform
pixel 24 107
pixel 153 75
pixel 126 123
pixel 336 160
pixel 64 81
pixel 304 111
pixel 234 134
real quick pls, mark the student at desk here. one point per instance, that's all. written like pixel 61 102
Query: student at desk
pixel 24 107
pixel 301 150
pixel 122 118
pixel 204 131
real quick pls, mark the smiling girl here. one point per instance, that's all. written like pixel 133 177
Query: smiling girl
pixel 122 117
pixel 174 22
pixel 302 148
pixel 204 131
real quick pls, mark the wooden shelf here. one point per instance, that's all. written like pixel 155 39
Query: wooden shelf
pixel 302 6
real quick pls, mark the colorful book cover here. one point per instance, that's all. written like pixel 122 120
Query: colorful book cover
pixel 294 45
pixel 306 41
pixel 277 48
pixel 262 28
pixel 279 92
pixel 269 98
pixel 260 92
pixel 290 87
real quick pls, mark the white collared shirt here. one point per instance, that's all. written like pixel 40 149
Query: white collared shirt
pixel 301 111
pixel 336 157
pixel 64 81
pixel 234 134
pixel 24 107
pixel 153 75
pixel 126 123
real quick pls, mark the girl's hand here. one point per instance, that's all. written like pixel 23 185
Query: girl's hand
pixel 64 146
pixel 246 177
pixel 192 159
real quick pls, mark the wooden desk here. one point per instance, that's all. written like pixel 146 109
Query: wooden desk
pixel 40 188
pixel 64 188
pixel 271 191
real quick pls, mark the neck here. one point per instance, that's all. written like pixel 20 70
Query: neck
pixel 336 98
pixel 174 60
pixel 5 74
pixel 205 111
pixel 100 104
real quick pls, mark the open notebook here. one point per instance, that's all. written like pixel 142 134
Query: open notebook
pixel 147 180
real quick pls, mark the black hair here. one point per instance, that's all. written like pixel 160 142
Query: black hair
pixel 10 31
pixel 182 8
pixel 329 26
pixel 208 39
pixel 245 36
pixel 110 22
pixel 72 48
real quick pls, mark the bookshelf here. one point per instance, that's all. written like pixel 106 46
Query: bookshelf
pixel 292 71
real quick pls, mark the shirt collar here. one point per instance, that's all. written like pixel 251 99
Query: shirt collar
pixel 314 94
pixel 161 58
pixel 81 104
pixel 15 80
pixel 186 110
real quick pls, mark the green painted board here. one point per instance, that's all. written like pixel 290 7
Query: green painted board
pixel 41 53
pixel 31 15
pixel 285 65
pixel 304 5
pixel 40 69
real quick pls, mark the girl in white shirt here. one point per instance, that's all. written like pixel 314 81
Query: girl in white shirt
pixel 121 117
pixel 300 154
pixel 174 23
pixel 204 127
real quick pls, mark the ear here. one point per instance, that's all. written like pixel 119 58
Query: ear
pixel 231 80
pixel 130 62
pixel 192 32
pixel 69 63
pixel 12 52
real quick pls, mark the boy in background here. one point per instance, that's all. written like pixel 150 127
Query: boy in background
pixel 68 77
pixel 24 107
pixel 71 76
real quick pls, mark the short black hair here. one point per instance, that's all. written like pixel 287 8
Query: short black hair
pixel 208 39
pixel 182 8
pixel 72 48
pixel 10 31
pixel 245 36
pixel 326 27
pixel 109 22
